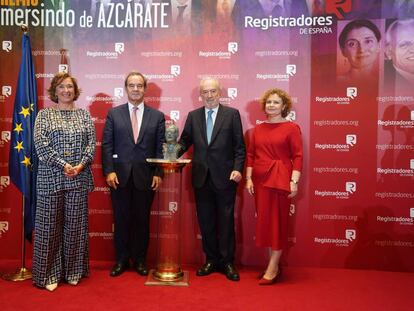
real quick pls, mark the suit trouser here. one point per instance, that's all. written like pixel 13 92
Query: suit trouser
pixel 215 213
pixel 131 208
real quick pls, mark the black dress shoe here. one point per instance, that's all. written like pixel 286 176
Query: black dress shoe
pixel 206 269
pixel 231 272
pixel 141 268
pixel 118 269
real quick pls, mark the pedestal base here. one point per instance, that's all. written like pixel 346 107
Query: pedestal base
pixel 153 281
pixel 21 275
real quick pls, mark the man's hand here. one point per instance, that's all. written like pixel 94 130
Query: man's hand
pixel 112 180
pixel 236 176
pixel 156 182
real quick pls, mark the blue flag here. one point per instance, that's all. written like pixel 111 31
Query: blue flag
pixel 22 159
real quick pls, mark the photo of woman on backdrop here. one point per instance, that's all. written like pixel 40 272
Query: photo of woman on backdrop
pixel 360 43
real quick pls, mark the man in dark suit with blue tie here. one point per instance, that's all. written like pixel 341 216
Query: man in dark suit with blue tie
pixel 216 133
pixel 133 132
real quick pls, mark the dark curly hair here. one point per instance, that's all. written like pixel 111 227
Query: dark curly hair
pixel 356 24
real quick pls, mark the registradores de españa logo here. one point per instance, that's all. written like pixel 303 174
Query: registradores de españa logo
pixel 172 207
pixel 350 189
pixel 175 115
pixel 232 49
pixel 119 49
pixel 118 92
pixel 351 94
pixel 7 46
pixel 4 182
pixel 350 237
pixel 6 90
pixel 232 93
pixel 173 74
pixel 63 68
pixel 4 227
pixel 5 137
pixel 350 142
pixel 290 71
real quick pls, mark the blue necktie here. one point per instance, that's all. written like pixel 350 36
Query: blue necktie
pixel 209 125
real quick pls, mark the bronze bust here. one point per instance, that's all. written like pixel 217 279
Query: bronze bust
pixel 171 148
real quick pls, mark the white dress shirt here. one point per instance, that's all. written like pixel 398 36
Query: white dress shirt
pixel 213 115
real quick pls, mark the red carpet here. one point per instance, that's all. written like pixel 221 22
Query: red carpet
pixel 300 289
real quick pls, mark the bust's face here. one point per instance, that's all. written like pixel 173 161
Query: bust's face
pixel 171 134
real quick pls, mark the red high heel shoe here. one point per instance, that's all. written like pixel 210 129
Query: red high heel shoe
pixel 275 279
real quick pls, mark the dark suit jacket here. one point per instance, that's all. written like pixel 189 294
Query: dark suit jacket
pixel 119 152
pixel 226 151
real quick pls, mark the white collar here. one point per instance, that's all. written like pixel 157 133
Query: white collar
pixel 131 106
pixel 208 109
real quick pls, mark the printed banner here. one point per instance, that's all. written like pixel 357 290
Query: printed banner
pixel 348 65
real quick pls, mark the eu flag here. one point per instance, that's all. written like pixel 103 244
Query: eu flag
pixel 22 159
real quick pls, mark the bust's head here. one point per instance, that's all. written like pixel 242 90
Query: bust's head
pixel 171 133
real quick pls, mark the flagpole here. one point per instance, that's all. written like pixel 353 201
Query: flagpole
pixel 23 273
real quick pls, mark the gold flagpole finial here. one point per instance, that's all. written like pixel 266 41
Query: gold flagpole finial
pixel 24 28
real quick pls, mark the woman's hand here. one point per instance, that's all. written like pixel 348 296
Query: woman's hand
pixel 250 186
pixel 69 170
pixel 72 171
pixel 78 168
pixel 293 189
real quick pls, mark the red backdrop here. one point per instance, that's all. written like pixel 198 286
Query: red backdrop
pixel 355 206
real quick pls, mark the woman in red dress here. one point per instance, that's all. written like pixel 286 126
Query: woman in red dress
pixel 274 163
